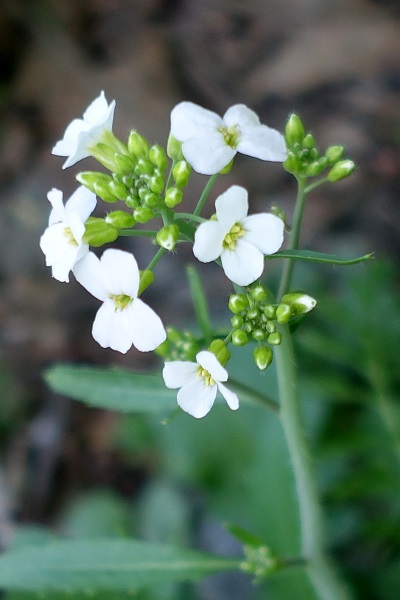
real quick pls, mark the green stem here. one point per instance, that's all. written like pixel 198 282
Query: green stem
pixel 204 195
pixel 322 575
pixel 293 238
pixel 155 259
pixel 137 232
pixel 253 395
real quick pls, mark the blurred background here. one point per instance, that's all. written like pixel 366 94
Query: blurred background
pixel 69 468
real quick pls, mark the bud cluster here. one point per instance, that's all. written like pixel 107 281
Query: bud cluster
pixel 179 345
pixel 256 318
pixel 304 159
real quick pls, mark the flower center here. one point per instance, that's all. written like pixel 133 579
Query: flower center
pixel 232 237
pixel 208 379
pixel 70 237
pixel 230 135
pixel 121 301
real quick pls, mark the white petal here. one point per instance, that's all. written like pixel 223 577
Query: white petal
pixel 55 198
pixel 145 326
pixel 68 144
pixel 121 272
pixel 76 226
pixel 82 202
pixel 96 110
pixel 244 264
pixel 208 153
pixel 191 120
pixel 196 398
pixel 232 206
pixel 60 254
pixel 262 142
pixel 178 373
pixel 230 397
pixel 265 231
pixel 110 329
pixel 89 273
pixel 240 115
pixel 208 241
pixel 210 363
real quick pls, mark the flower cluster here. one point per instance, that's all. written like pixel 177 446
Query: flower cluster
pixel 147 191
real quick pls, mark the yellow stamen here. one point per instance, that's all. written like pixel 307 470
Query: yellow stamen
pixel 70 237
pixel 231 135
pixel 232 237
pixel 208 379
pixel 121 301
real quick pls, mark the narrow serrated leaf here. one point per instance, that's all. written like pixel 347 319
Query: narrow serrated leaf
pixel 310 255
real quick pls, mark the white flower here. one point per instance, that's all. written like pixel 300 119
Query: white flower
pixel 123 319
pixel 209 143
pixel 82 134
pixel 199 382
pixel 239 240
pixel 61 242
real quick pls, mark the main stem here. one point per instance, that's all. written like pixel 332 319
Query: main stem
pixel 322 575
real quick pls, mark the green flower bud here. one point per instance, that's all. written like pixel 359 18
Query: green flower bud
pixel 123 164
pixel 118 190
pixel 102 190
pixel 299 303
pixel 143 214
pixel 248 328
pixel 120 219
pixel 173 197
pixel 174 149
pixel 168 236
pixel 137 144
pixel 239 337
pixel 98 232
pixel 292 163
pixel 156 184
pixel 309 142
pixel 158 157
pixel 334 153
pixel 283 313
pixel 150 199
pixel 278 212
pixel 270 311
pixel 146 279
pixel 262 357
pixel 252 314
pixel 258 293
pixel 316 167
pixel 132 201
pixel 127 180
pixel 270 327
pixel 237 321
pixel 218 347
pixel 274 338
pixel 341 170
pixel 144 167
pixel 181 173
pixel 294 131
pixel 258 335
pixel 90 178
pixel 237 303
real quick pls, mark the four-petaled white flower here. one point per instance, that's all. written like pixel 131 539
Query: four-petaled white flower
pixel 199 382
pixel 209 143
pixel 240 240
pixel 61 242
pixel 123 319
pixel 82 134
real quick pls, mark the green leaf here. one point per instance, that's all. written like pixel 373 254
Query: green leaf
pixel 114 389
pixel 310 255
pixel 125 565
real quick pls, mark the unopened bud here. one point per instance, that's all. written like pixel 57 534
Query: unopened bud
pixel 168 236
pixel 123 164
pixel 274 338
pixel 309 141
pixel 174 149
pixel 102 190
pixel 258 293
pixel 218 347
pixel 292 163
pixel 237 303
pixel 294 131
pixel 90 178
pixel 299 303
pixel 137 144
pixel 239 337
pixel 158 157
pixel 120 219
pixel 181 173
pixel 143 214
pixel 262 357
pixel 283 313
pixel 173 197
pixel 118 190
pixel 334 153
pixel 341 170
pixel 98 232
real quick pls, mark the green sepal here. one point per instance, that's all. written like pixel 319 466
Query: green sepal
pixel 174 149
pixel 168 236
pixel 99 232
pixel 120 219
pixel 146 279
pixel 341 170
pixel 218 347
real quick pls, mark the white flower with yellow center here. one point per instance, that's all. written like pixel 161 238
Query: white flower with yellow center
pixel 240 241
pixel 83 134
pixel 210 142
pixel 199 383
pixel 123 319
pixel 61 242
